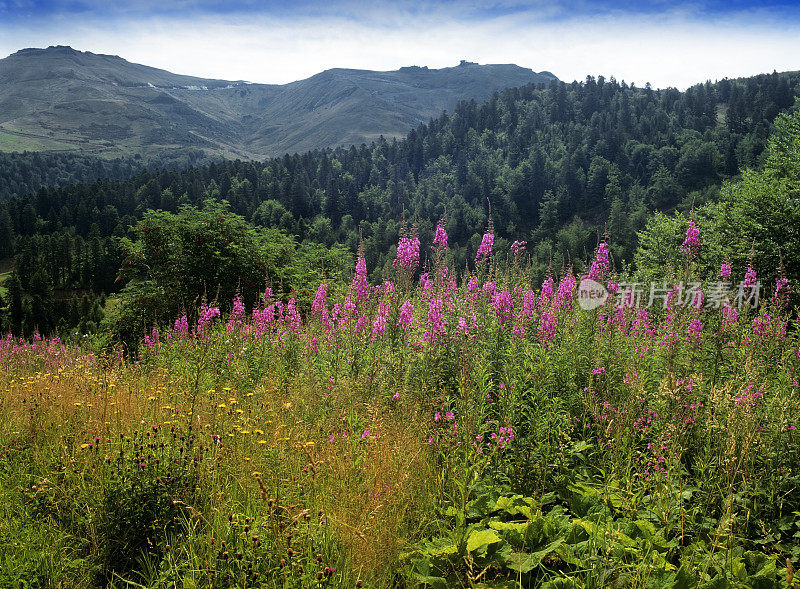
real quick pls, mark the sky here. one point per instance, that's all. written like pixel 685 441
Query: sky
pixel 666 43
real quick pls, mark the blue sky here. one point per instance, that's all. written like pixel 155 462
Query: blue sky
pixel 665 43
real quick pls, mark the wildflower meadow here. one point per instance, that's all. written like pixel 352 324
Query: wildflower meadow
pixel 444 428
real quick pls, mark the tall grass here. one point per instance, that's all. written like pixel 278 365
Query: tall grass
pixel 395 434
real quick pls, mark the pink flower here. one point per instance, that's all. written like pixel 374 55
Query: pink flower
pixel 485 249
pixel 729 315
pixel 181 329
pixel 547 328
pixel 360 285
pixel 361 323
pixel 547 291
pixel 293 317
pixel 566 292
pixel 151 340
pixel 379 326
pixel 518 247
pixel 406 319
pixel 207 315
pixel 466 327
pixel 782 291
pixel 694 331
pixel 407 253
pixel 440 238
pixel 503 306
pixel 435 321
pixel 641 324
pixel 692 242
pixel 725 271
pixel 262 318
pixel 320 300
pixel 237 314
pixel 238 308
pixel 601 264
pixel 750 278
pixel 528 303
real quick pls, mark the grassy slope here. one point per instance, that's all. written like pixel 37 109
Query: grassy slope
pixel 60 98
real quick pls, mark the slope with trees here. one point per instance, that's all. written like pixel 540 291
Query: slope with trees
pixel 555 166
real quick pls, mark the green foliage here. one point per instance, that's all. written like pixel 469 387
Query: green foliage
pixel 209 255
pixel 587 536
pixel 546 164
pixel 25 173
pixel 753 224
pixel 44 536
pixel 151 491
pixel 762 209
pixel 659 256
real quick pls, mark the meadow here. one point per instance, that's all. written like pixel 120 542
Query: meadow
pixel 439 429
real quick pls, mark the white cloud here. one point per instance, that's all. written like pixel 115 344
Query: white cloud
pixel 671 49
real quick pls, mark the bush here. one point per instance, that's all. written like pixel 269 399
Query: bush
pixel 153 488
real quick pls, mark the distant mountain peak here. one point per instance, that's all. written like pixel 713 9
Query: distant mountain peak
pixel 50 49
pixel 71 100
pixel 58 50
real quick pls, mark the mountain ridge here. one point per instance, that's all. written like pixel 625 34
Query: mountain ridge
pixel 64 99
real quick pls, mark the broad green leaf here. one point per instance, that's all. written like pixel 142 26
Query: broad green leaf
pixel 479 507
pixel 515 505
pixel 513 532
pixel 440 547
pixel 516 526
pixel 480 538
pixel 525 563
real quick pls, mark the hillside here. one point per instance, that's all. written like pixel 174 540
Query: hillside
pixel 63 99
pixel 556 167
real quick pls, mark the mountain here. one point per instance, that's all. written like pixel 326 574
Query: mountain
pixel 63 99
